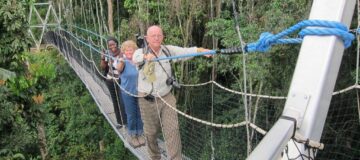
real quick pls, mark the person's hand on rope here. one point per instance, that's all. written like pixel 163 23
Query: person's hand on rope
pixel 103 63
pixel 103 55
pixel 204 50
pixel 121 59
pixel 120 64
pixel 149 56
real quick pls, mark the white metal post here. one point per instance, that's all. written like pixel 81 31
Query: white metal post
pixel 44 22
pixel 319 82
pixel 311 87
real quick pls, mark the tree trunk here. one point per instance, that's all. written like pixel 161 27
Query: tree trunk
pixel 105 28
pixel 110 17
pixel 140 20
pixel 252 12
pixel 98 20
pixel 218 8
pixel 256 109
pixel 217 15
pixel 72 12
pixel 83 13
pixel 42 140
pixel 92 15
pixel 102 149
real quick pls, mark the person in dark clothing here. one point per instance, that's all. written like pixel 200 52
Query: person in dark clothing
pixel 112 76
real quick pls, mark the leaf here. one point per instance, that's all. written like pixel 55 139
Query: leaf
pixel 4 151
pixel 6 74
pixel 18 155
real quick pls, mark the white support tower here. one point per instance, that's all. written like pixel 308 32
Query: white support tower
pixel 311 87
pixel 44 22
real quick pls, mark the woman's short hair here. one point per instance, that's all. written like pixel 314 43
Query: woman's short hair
pixel 112 39
pixel 128 44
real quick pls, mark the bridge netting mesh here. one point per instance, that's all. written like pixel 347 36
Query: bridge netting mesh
pixel 214 124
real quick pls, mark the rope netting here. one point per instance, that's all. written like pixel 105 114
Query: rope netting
pixel 212 117
pixel 224 112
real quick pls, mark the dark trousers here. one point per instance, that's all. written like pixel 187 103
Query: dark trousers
pixel 116 98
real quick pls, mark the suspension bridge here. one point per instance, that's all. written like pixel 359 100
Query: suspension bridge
pixel 231 127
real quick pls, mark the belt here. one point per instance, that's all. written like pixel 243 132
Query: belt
pixel 150 97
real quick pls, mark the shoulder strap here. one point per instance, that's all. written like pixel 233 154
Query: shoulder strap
pixel 167 52
pixel 172 65
pixel 145 50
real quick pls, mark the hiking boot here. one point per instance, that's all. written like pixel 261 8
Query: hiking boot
pixel 141 140
pixel 133 141
pixel 118 126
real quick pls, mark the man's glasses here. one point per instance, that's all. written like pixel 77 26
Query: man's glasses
pixel 155 36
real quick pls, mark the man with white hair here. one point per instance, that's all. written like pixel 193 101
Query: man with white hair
pixel 155 80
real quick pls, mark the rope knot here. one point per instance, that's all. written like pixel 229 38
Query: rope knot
pixel 263 44
pixel 343 34
pixel 323 28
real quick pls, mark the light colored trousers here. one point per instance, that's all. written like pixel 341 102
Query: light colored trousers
pixel 156 115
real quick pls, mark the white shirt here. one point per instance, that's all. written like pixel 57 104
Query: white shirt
pixel 159 85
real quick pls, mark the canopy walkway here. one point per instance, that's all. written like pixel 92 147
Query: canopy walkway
pixel 95 84
pixel 227 123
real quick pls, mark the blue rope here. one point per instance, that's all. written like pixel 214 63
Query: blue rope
pixel 83 42
pixel 89 45
pixel 88 31
pixel 332 28
pixel 186 55
pixel 267 39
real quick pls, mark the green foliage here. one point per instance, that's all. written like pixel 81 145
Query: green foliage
pixel 70 115
pixel 13 30
pixel 224 30
pixel 8 154
pixel 175 37
pixel 35 74
pixel 130 5
pixel 6 74
pixel 17 136
pixel 126 30
pixel 31 80
pixel 73 118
